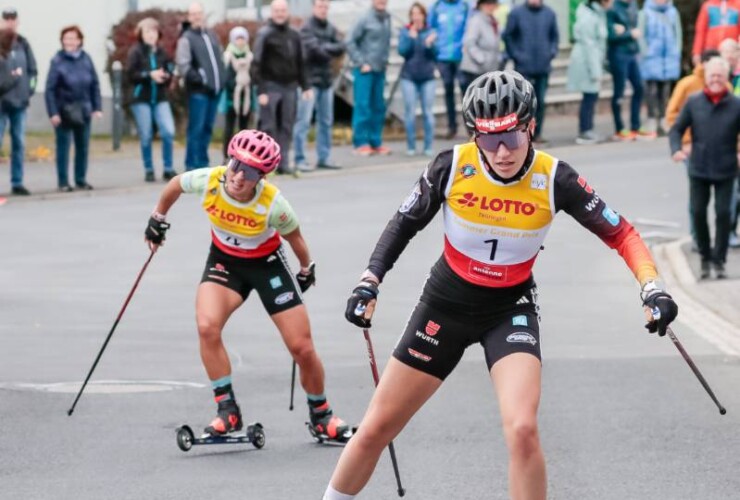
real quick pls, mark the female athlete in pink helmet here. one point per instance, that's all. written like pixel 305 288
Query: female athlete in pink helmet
pixel 249 219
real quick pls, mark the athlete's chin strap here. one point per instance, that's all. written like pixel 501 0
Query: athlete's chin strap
pixel 528 162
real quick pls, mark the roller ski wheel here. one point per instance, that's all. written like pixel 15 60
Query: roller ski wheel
pixel 255 434
pixel 322 437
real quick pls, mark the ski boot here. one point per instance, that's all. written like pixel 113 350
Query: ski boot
pixel 228 419
pixel 324 426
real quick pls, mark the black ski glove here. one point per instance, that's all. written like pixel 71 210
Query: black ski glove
pixel 156 230
pixel 660 308
pixel 305 280
pixel 361 303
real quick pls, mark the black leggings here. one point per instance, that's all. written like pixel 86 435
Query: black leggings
pixel 657 95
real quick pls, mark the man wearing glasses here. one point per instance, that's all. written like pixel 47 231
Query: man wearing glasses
pixel 499 196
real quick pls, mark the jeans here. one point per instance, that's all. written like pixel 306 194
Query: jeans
pixel 145 114
pixel 323 103
pixel 624 67
pixel 449 71
pixel 539 82
pixel 424 92
pixel 64 136
pixel 699 198
pixel 586 111
pixel 278 117
pixel 17 119
pixel 368 114
pixel 201 115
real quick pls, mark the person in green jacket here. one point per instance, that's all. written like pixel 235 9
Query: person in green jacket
pixel 586 67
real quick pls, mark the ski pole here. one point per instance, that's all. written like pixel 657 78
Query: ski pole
pixel 696 371
pixel 110 334
pixel 374 369
pixel 292 387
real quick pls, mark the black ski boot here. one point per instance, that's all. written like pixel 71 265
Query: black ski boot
pixel 228 419
pixel 325 426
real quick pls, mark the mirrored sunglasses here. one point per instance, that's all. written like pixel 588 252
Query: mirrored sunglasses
pixel 250 173
pixel 511 139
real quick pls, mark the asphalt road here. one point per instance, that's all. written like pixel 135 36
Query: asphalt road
pixel 622 417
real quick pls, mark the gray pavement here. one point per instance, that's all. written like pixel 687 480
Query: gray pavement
pixel 622 416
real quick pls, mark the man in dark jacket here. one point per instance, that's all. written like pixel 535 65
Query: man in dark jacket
pixel 200 63
pixel 714 118
pixel 532 38
pixel 14 104
pixel 277 72
pixel 622 51
pixel 321 46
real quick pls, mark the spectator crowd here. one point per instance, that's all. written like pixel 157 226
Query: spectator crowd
pixel 284 77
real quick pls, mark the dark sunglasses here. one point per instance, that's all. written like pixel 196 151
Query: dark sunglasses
pixel 512 139
pixel 8 16
pixel 250 173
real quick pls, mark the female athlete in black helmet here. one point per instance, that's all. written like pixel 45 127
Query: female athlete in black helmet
pixel 499 197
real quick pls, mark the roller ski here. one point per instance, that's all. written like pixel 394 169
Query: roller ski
pixel 325 427
pixel 224 429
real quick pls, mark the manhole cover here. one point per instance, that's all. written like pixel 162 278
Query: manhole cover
pixel 105 386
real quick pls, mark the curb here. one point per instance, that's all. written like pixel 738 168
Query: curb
pixel 695 310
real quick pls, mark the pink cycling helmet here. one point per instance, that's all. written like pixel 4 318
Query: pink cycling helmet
pixel 256 149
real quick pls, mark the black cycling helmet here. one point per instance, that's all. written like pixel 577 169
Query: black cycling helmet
pixel 498 101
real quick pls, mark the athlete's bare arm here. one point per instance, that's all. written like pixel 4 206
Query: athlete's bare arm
pixel 299 246
pixel 169 196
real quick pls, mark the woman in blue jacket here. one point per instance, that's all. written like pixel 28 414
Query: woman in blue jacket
pixel 416 44
pixel 72 98
pixel 660 50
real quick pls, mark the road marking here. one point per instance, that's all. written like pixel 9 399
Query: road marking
pixel 104 386
pixel 657 223
pixel 681 284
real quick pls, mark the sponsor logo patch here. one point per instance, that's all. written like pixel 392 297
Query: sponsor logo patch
pixel 468 171
pixel 611 216
pixel 432 328
pixel 496 124
pixel 231 217
pixel 276 282
pixel 582 182
pixel 497 204
pixel 219 268
pixel 428 338
pixel 284 298
pixel 411 199
pixel 519 320
pixel 419 355
pixel 521 338
pixel 539 181
pixel 593 203
pixel 271 258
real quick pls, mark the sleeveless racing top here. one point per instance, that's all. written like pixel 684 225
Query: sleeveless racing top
pixel 494 231
pixel 240 229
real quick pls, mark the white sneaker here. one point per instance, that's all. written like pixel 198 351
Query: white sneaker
pixel 410 152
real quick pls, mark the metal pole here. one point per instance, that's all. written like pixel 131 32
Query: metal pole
pixel 116 77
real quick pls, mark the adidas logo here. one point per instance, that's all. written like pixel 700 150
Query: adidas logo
pixel 523 300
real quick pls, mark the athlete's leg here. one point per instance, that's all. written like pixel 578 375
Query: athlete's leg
pixel 214 304
pixel 516 378
pixel 401 392
pixel 295 329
